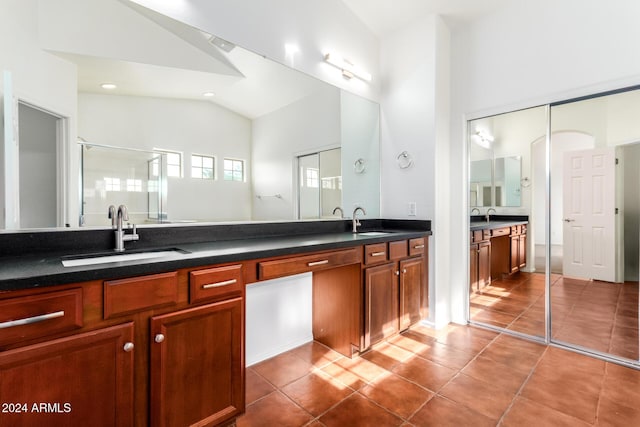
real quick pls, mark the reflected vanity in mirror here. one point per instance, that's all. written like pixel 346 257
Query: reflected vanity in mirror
pixel 227 124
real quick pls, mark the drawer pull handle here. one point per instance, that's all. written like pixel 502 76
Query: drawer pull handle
pixel 30 320
pixel 128 347
pixel 313 264
pixel 418 247
pixel 377 253
pixel 218 284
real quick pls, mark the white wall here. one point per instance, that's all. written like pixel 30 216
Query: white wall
pixel 415 118
pixel 198 127
pixel 38 176
pixel 39 78
pixel 306 126
pixel 265 27
pixel 526 54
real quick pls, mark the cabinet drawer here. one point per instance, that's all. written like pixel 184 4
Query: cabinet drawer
pixel 417 246
pixel 35 316
pixel 375 254
pixel 139 293
pixel 215 283
pixel 398 250
pixel 501 232
pixel 303 264
pixel 476 236
pixel 486 235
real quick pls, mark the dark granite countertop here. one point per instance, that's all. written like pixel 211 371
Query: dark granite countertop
pixel 479 222
pixel 33 269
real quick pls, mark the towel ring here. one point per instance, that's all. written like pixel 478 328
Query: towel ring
pixel 404 160
pixel 359 166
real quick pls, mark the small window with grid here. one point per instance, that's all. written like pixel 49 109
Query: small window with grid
pixel 202 167
pixel 233 170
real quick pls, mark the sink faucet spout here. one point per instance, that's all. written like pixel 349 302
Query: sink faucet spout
pixel 355 220
pixel 121 236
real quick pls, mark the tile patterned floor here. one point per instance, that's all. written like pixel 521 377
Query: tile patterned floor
pixel 597 315
pixel 459 376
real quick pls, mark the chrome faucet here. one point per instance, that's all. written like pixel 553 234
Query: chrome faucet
pixel 338 208
pixel 475 209
pixel 116 223
pixel 355 220
pixel 488 214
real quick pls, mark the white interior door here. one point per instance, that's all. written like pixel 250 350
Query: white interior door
pixel 589 233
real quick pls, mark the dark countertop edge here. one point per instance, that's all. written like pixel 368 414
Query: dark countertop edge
pixel 47 270
pixel 494 224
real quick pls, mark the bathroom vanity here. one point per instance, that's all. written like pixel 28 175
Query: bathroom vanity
pixel 496 247
pixel 161 341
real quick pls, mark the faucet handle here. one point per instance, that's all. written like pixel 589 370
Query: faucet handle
pixel 112 215
pixel 122 209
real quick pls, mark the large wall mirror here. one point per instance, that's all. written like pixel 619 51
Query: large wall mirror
pixel 579 190
pixel 226 125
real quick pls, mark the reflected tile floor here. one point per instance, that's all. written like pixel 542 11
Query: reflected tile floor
pixel 597 315
pixel 458 376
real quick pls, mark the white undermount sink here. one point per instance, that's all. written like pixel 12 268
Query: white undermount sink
pixel 118 257
pixel 374 233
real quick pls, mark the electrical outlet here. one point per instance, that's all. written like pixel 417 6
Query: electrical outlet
pixel 412 209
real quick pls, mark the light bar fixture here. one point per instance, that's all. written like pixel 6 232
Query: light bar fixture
pixel 348 69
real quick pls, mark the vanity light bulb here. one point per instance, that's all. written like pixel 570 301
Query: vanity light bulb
pixel 208 94
pixel 108 86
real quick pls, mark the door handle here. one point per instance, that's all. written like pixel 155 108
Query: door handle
pixel 569 220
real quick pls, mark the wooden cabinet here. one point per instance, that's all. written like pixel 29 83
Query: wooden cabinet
pixel 80 380
pixel 518 256
pixel 396 295
pixel 479 262
pixel 412 273
pixel 509 250
pixel 197 365
pixel 381 303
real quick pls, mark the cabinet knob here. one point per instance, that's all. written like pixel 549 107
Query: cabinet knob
pixel 128 347
pixel 404 271
pixel 397 273
pixel 159 338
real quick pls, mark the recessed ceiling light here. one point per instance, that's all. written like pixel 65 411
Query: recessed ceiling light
pixel 108 86
pixel 208 94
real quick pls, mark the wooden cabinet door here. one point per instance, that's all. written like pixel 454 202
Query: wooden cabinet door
pixel 484 264
pixel 411 287
pixel 473 268
pixel 522 251
pixel 197 365
pixel 514 259
pixel 81 380
pixel 381 303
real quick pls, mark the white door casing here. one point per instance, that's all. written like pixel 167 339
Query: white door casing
pixel 589 217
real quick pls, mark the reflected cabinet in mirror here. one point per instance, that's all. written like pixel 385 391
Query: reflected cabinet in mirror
pixel 227 124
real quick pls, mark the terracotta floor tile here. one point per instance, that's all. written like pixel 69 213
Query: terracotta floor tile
pixel 317 354
pixel 316 392
pixel 524 412
pixel 621 385
pixel 359 411
pixel 426 373
pixel 355 373
pixel 441 412
pixel 256 386
pixel 283 369
pixel 407 341
pixel 508 379
pixel 386 355
pixel 397 395
pixel 575 397
pixel 468 339
pixel 274 410
pixel 486 398
pixel 447 356
pixel 612 413
pixel 570 365
pixel 516 353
